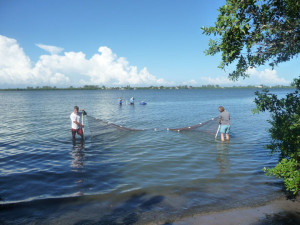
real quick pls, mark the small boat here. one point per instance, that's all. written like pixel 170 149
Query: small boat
pixel 143 103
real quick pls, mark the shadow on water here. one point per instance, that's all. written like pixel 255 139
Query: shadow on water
pixel 48 209
pixel 51 211
pixel 282 218
pixel 129 212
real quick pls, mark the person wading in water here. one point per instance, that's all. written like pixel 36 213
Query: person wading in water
pixel 76 126
pixel 224 121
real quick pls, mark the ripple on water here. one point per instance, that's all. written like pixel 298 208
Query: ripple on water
pixel 150 172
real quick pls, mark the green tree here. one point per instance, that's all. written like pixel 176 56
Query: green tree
pixel 251 33
pixel 285 133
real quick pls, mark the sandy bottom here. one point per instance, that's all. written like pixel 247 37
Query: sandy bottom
pixel 277 212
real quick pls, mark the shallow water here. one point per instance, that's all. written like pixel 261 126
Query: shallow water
pixel 130 177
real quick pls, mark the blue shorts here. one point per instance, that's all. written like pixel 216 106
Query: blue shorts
pixel 225 129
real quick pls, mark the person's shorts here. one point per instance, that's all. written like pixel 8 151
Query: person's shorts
pixel 225 129
pixel 78 131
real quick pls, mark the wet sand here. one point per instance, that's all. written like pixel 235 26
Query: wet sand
pixel 277 212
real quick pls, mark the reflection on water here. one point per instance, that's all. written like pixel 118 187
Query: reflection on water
pixel 78 153
pixel 77 165
pixel 222 157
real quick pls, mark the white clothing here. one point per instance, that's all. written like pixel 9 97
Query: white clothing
pixel 132 100
pixel 75 117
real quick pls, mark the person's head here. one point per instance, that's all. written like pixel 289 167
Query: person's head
pixel 221 108
pixel 76 109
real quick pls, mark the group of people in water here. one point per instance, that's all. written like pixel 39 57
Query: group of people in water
pixel 77 124
pixel 131 101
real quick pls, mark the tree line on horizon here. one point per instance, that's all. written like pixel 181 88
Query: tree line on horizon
pixel 128 87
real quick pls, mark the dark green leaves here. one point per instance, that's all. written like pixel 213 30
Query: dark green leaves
pixel 285 133
pixel 251 33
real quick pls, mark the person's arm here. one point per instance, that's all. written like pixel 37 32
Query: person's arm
pixel 79 124
pixel 82 112
pixel 73 118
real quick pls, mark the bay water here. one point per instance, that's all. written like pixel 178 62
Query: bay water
pixel 128 177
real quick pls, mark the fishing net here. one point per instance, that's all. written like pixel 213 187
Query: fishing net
pixel 209 127
pixel 100 127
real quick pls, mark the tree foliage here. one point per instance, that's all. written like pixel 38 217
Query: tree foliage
pixel 285 133
pixel 288 169
pixel 251 33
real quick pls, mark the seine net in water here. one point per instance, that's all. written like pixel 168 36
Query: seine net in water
pixel 209 127
pixel 99 127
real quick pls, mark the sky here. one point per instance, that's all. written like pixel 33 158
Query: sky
pixel 116 43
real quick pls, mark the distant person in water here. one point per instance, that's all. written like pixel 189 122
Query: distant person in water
pixel 224 121
pixel 131 101
pixel 75 122
pixel 120 101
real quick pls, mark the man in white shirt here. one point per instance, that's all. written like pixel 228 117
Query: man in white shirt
pixel 75 122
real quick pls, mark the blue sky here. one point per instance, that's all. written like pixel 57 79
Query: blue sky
pixel 115 43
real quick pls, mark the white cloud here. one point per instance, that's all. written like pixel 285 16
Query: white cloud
pixel 266 77
pixel 13 62
pixel 222 81
pixel 16 68
pixel 103 68
pixel 107 68
pixel 190 82
pixel 71 68
pixel 49 48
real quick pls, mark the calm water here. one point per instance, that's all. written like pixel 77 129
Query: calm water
pixel 129 177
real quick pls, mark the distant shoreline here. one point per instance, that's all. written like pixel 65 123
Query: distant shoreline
pixel 96 87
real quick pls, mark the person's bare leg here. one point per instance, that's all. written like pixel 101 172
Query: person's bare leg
pixel 222 136
pixel 227 137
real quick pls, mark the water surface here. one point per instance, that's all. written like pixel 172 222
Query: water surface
pixel 122 177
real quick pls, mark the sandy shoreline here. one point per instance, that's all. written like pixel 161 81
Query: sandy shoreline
pixel 280 211
pixel 276 212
